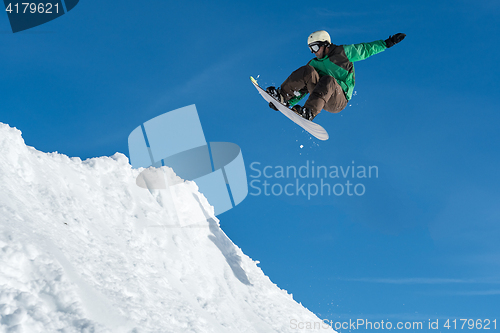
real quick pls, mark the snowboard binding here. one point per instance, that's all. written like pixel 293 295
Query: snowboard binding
pixel 276 94
pixel 305 113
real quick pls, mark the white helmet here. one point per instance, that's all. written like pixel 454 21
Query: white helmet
pixel 320 36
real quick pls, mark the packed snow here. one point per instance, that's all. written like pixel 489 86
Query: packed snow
pixel 84 249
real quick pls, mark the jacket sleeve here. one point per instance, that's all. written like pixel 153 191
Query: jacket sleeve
pixel 296 99
pixel 357 52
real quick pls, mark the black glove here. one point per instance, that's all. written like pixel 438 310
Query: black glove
pixel 393 40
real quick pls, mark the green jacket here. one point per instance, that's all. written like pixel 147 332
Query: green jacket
pixel 339 64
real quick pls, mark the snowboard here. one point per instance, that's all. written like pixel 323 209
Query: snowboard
pixel 314 129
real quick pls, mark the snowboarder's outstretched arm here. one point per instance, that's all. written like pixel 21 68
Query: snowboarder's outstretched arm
pixel 357 52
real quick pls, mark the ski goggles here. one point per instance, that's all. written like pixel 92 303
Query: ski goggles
pixel 315 47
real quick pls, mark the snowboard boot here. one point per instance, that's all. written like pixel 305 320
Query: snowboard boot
pixel 276 94
pixel 303 112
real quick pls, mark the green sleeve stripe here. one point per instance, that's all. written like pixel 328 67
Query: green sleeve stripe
pixel 357 52
pixel 294 100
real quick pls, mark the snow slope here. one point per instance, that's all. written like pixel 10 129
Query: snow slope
pixel 84 249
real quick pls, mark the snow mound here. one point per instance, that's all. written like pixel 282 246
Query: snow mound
pixel 84 249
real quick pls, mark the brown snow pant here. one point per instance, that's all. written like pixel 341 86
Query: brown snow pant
pixel 325 92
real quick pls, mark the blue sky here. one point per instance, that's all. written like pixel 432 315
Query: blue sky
pixel 420 244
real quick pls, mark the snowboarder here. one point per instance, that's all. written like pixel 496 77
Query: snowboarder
pixel 328 78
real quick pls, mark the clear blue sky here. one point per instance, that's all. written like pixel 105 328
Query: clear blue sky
pixel 420 244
